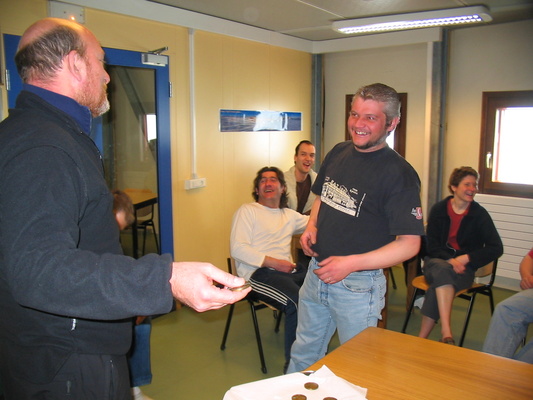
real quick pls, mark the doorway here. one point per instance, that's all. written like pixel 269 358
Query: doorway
pixel 135 156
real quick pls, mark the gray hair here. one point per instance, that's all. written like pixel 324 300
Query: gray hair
pixel 41 58
pixel 384 94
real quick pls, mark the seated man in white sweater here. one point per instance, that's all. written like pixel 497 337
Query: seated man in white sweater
pixel 261 236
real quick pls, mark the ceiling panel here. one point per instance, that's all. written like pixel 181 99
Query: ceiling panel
pixel 311 19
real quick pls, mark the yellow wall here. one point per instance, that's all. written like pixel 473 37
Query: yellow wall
pixel 235 74
pixel 230 73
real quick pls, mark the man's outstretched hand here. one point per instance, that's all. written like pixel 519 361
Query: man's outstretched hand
pixel 193 284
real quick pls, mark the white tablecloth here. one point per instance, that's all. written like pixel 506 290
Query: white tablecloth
pixel 285 386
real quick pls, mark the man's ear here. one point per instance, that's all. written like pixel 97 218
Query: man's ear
pixel 392 126
pixel 76 65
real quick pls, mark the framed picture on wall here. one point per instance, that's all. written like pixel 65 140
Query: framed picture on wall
pixel 254 121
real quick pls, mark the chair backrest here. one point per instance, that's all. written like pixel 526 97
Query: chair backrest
pixel 486 270
pixel 295 246
pixel 232 269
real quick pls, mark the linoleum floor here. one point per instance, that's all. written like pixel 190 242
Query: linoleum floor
pixel 187 362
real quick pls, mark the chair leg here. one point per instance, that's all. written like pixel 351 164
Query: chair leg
pixel 155 237
pixel 258 338
pixel 226 329
pixel 408 315
pixel 467 319
pixel 278 321
pixel 144 239
pixel 392 279
pixel 491 300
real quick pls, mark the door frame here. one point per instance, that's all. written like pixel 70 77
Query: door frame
pixel 126 58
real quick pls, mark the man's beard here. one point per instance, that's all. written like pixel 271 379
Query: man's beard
pixel 97 106
pixel 375 143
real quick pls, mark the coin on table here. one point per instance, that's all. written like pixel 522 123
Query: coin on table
pixel 299 397
pixel 311 386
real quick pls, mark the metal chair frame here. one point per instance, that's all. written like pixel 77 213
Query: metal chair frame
pixel 144 224
pixel 255 305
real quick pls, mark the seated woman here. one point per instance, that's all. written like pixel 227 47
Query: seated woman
pixel 461 237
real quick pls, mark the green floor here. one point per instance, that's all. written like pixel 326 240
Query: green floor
pixel 187 362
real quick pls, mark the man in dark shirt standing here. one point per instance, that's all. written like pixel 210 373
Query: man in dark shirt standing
pixel 366 217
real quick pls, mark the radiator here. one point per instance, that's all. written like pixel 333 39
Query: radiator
pixel 513 218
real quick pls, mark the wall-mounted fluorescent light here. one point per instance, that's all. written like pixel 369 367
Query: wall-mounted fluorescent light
pixel 426 19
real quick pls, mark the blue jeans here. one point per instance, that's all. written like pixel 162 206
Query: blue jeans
pixel 350 306
pixel 139 357
pixel 508 327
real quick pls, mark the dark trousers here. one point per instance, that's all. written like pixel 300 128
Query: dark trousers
pixel 439 273
pixel 280 290
pixel 82 377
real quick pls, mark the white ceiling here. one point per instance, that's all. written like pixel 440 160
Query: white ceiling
pixel 311 19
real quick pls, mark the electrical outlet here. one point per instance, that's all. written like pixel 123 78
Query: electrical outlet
pixel 195 183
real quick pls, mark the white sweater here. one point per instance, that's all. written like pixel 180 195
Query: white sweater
pixel 258 231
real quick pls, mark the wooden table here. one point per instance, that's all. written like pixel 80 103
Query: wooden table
pixel 394 365
pixel 140 200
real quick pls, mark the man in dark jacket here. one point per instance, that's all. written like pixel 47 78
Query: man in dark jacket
pixel 67 293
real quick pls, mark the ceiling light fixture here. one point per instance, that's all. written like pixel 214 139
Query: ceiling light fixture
pixel 426 19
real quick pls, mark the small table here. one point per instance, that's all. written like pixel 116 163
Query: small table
pixel 140 200
pixel 394 365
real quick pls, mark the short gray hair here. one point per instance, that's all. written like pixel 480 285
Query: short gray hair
pixel 384 94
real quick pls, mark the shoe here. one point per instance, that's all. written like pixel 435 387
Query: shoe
pixel 136 394
pixel 419 302
pixel 448 340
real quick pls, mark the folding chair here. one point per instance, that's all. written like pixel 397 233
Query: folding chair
pixel 255 305
pixel 469 294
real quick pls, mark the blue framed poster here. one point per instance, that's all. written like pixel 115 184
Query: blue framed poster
pixel 255 121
